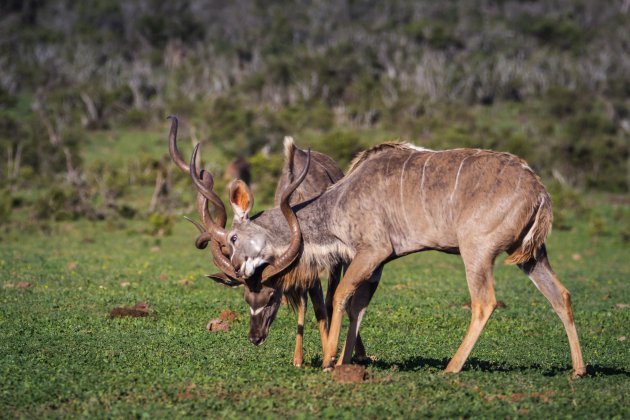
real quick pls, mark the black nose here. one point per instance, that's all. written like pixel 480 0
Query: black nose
pixel 256 340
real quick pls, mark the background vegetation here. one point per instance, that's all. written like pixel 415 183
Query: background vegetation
pixel 84 91
pixel 545 80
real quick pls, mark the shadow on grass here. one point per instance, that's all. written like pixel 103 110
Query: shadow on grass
pixel 473 364
pixel 597 370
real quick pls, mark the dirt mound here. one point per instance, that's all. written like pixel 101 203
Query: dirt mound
pixel 139 310
pixel 217 325
pixel 227 315
pixel 346 374
pixel 18 285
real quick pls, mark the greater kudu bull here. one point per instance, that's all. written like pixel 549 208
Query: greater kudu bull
pixel 398 199
pixel 264 300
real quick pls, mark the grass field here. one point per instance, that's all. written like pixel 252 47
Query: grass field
pixel 61 355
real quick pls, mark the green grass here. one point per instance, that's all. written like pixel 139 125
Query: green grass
pixel 60 354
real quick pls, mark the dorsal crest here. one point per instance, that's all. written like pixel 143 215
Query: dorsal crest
pixel 363 156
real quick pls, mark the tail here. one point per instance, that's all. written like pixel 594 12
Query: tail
pixel 535 237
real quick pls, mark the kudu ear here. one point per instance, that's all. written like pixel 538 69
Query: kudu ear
pixel 241 199
pixel 221 278
pixel 289 153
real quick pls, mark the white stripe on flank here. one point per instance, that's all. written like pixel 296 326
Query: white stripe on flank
pixel 402 202
pixel 423 168
pixel 461 165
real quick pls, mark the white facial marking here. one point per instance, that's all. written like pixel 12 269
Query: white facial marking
pixel 257 244
pixel 255 312
pixel 251 264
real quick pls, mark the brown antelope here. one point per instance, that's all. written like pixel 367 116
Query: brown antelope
pixel 264 300
pixel 398 199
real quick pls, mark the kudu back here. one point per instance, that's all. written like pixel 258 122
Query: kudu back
pixel 398 199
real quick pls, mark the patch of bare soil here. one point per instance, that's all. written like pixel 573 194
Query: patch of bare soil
pixel 346 374
pixel 217 325
pixel 223 322
pixel 139 310
pixel 18 285
pixel 227 315
pixel 541 396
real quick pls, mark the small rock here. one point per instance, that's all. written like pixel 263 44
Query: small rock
pixel 576 257
pixel 622 338
pixel 217 325
pixel 622 305
pixel 227 315
pixel 125 284
pixel 346 374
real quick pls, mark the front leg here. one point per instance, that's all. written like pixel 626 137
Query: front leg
pixel 356 311
pixel 299 346
pixel 333 281
pixel 317 297
pixel 360 270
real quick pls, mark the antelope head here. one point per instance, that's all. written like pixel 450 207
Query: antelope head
pixel 254 260
pixel 244 254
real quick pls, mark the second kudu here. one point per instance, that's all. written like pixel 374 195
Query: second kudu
pixel 398 199
pixel 264 300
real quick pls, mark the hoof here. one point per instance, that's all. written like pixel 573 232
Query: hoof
pixel 579 373
pixel 363 360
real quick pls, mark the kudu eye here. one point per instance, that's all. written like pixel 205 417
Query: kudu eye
pixel 233 238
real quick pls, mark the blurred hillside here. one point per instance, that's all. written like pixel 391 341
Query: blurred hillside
pixel 547 80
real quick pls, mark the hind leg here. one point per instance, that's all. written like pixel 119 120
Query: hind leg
pixel 299 349
pixel 317 297
pixel 483 302
pixel 543 277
